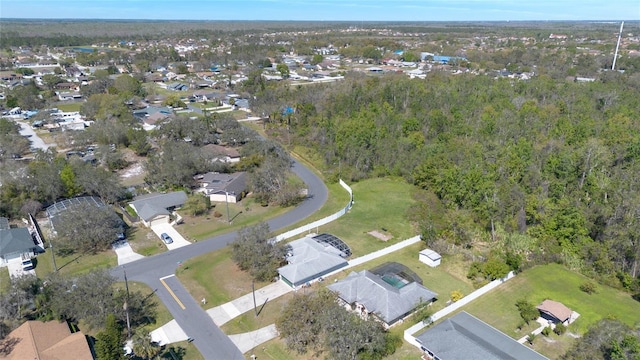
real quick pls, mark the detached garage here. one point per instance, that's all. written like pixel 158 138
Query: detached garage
pixel 430 257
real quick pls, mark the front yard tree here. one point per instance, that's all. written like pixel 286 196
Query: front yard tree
pixel 87 229
pixel 255 253
pixel 527 310
pixel 109 342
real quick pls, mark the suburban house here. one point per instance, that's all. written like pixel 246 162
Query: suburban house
pixel 388 293
pixel 309 260
pixel 222 187
pixel 555 312
pixel 463 336
pixel 50 340
pixel 222 153
pixel 14 242
pixel 429 257
pixel 156 208
pixel 80 203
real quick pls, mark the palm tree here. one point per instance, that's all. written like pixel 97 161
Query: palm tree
pixel 143 346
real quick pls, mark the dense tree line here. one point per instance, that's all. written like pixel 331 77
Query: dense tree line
pixel 541 168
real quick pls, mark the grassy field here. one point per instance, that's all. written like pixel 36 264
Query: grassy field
pixel 70 107
pixel 215 277
pixel 436 279
pixel 554 282
pixel 75 264
pixel 5 280
pixel 381 205
pixel 245 213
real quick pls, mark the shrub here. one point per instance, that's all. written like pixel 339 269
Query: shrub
pixel 589 287
pixel 546 331
pixel 217 214
pixel 456 295
pixel 527 310
pixel 531 337
pixel 560 329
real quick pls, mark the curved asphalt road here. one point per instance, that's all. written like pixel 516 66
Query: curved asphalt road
pixel 196 323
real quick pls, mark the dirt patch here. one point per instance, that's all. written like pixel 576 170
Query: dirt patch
pixel 379 235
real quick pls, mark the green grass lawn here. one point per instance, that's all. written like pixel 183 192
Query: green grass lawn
pixel 74 264
pixel 215 277
pixel 267 316
pixel 435 279
pixel 554 282
pixel 380 204
pixel 246 212
pixel 69 107
pixel 5 280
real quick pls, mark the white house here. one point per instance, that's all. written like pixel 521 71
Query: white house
pixel 430 257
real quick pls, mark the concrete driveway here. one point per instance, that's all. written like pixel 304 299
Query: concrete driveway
pixel 250 340
pixel 15 268
pixel 36 141
pixel 125 253
pixel 168 333
pixel 178 240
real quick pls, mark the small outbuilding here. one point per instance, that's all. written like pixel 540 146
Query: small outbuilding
pixel 430 257
pixel 555 312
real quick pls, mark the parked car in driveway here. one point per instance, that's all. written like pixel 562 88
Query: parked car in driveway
pixel 166 238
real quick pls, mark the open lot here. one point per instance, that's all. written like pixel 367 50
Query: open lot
pixel 380 204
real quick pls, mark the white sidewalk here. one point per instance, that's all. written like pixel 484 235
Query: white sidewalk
pixel 225 312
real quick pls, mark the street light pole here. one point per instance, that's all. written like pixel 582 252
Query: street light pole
pixel 226 197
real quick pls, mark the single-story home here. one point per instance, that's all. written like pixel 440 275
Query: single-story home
pixel 46 340
pixel 555 312
pixel 80 203
pixel 464 336
pixel 15 242
pixel 387 297
pixel 429 257
pixel 222 153
pixel 309 260
pixel 222 187
pixel 156 208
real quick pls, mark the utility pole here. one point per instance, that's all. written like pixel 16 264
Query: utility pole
pixel 126 306
pixel 226 197
pixel 615 55
pixel 53 257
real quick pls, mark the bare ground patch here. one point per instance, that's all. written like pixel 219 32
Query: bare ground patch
pixel 377 234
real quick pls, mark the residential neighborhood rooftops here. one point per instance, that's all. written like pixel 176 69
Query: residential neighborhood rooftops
pixel 387 298
pixel 152 205
pixel 212 183
pixel 463 336
pixel 4 223
pixel 17 240
pixel 46 341
pixel 309 260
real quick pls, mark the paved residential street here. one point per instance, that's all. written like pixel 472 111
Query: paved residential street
pixel 194 321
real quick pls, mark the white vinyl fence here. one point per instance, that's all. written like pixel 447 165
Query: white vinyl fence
pixel 408 334
pixel 318 223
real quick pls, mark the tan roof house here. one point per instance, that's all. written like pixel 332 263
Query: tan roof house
pixel 555 311
pixel 45 341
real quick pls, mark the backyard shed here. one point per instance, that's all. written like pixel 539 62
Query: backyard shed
pixel 430 257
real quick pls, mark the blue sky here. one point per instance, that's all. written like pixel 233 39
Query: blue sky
pixel 351 10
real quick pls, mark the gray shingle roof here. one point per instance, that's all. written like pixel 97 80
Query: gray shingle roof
pixel 310 260
pixel 214 183
pixel 465 337
pixel 379 297
pixel 152 205
pixel 15 240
